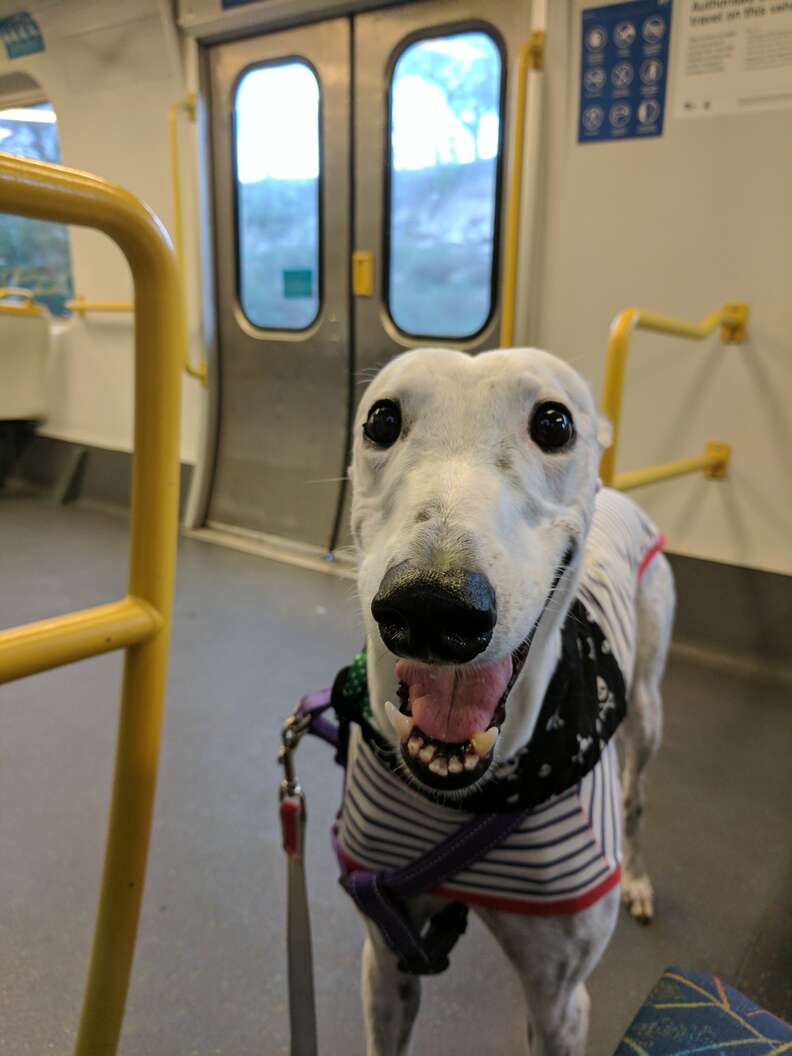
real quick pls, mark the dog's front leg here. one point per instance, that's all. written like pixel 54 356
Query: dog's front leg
pixel 390 998
pixel 553 957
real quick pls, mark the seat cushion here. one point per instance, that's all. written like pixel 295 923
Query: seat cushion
pixel 691 1012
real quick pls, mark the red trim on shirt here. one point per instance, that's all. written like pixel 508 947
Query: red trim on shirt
pixel 532 908
pixel 527 906
pixel 651 553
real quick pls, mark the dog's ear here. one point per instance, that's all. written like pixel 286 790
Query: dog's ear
pixel 604 432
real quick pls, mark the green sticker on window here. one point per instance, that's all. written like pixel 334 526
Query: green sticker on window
pixel 297 283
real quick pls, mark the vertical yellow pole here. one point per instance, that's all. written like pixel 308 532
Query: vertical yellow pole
pixel 615 364
pixel 155 497
pixel 49 192
pixel 508 309
pixel 159 339
pixel 188 106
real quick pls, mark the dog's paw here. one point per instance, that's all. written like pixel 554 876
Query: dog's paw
pixel 638 897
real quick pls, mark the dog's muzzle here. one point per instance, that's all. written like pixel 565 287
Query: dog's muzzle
pixel 450 712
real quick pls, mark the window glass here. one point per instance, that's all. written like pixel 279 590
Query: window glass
pixel 34 254
pixel 276 113
pixel 445 142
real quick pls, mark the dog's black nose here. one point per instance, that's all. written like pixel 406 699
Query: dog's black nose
pixel 424 614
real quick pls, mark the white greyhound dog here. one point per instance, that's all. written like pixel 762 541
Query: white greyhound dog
pixel 480 523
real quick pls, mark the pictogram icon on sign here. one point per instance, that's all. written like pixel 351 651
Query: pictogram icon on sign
pixel 593 116
pixel 596 38
pixel 624 34
pixel 653 29
pixel 648 111
pixel 622 74
pixel 594 79
pixel 619 115
pixel 651 71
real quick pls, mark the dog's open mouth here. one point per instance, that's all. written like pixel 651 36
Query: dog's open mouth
pixel 449 718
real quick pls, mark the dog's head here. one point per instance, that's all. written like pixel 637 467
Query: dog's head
pixel 474 481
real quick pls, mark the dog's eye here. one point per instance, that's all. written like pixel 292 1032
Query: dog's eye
pixel 552 427
pixel 384 423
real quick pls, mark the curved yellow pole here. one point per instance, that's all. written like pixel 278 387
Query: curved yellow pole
pixel 49 192
pixel 731 318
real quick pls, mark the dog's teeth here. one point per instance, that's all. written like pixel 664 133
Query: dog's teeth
pixel 439 766
pixel 414 745
pixel 455 765
pixel 402 724
pixel 427 754
pixel 485 742
pixel 471 761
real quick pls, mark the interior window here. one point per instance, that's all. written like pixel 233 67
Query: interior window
pixel 445 133
pixel 276 133
pixel 34 254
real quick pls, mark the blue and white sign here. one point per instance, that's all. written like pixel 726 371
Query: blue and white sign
pixel 21 35
pixel 623 70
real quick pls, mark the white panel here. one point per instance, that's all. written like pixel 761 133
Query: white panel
pixel 679 224
pixel 133 52
pixel 24 357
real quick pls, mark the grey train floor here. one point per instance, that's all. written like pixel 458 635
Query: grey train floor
pixel 249 637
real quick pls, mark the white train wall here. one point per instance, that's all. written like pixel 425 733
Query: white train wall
pixel 678 224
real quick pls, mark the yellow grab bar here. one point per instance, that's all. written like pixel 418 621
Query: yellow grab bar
pixel 27 297
pixel 35 647
pixel 731 318
pixel 187 105
pixel 531 56
pixel 81 306
pixel 713 463
pixel 141 622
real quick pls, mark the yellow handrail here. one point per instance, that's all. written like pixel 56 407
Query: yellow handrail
pixel 713 463
pixel 141 622
pixel 27 297
pixel 731 318
pixel 530 56
pixel 81 306
pixel 36 647
pixel 187 105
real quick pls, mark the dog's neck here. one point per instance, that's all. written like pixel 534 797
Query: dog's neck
pixel 528 692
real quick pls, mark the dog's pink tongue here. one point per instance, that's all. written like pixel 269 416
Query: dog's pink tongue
pixel 451 704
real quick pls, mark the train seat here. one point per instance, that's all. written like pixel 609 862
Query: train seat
pixel 24 357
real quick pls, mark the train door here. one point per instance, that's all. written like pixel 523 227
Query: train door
pixel 359 174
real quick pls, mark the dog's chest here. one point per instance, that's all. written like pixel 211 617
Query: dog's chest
pixel 565 854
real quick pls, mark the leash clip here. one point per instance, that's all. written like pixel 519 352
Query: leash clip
pixel 292 733
pixel 290 795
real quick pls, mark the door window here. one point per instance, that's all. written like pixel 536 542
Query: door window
pixel 34 254
pixel 445 105
pixel 276 147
